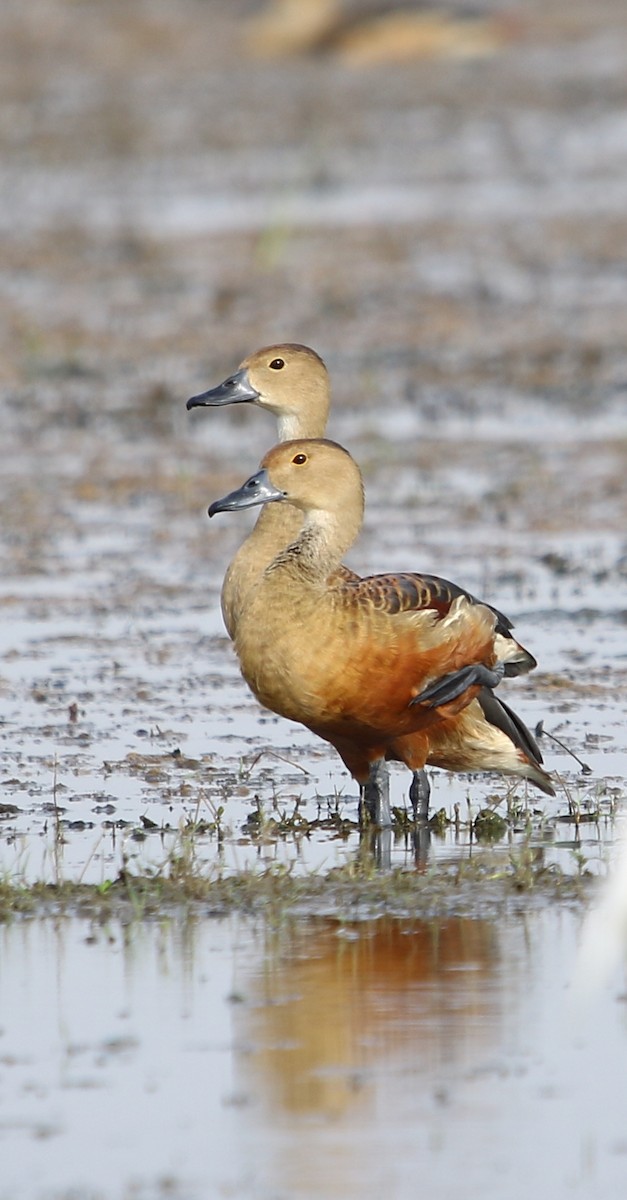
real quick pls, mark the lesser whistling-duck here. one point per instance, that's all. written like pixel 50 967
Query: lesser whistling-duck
pixel 352 659
pixel 291 381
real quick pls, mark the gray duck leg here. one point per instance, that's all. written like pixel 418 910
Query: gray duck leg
pixel 419 794
pixel 375 795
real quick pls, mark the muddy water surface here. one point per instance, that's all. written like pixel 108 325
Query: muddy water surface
pixel 329 1060
pixel 126 721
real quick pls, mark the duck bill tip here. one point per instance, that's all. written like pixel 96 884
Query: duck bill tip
pixel 257 490
pixel 237 389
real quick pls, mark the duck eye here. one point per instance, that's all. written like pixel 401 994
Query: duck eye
pixel 299 459
pixel 277 364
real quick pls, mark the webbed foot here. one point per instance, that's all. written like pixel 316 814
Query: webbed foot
pixel 452 686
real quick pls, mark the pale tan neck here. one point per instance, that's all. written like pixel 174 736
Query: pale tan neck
pixel 309 424
pixel 276 526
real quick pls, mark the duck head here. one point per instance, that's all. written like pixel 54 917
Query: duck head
pixel 288 380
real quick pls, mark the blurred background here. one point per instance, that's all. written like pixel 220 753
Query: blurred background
pixel 433 197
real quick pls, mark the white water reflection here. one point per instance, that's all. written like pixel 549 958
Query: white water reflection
pixel 219 1059
pixel 112 1065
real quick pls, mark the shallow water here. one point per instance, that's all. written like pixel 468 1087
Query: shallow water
pixel 332 1059
pixel 124 713
pixel 126 718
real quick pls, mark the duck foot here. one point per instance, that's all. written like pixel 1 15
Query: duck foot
pixel 453 685
pixel 374 800
pixel 421 841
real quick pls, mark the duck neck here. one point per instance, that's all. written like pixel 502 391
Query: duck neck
pixel 320 546
pixel 278 525
pixel 309 423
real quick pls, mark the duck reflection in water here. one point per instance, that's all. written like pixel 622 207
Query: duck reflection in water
pixel 338 1005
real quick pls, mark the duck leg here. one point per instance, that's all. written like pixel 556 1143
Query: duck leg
pixel 419 793
pixel 375 795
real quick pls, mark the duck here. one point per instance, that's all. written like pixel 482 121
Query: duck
pixel 354 660
pixel 291 382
